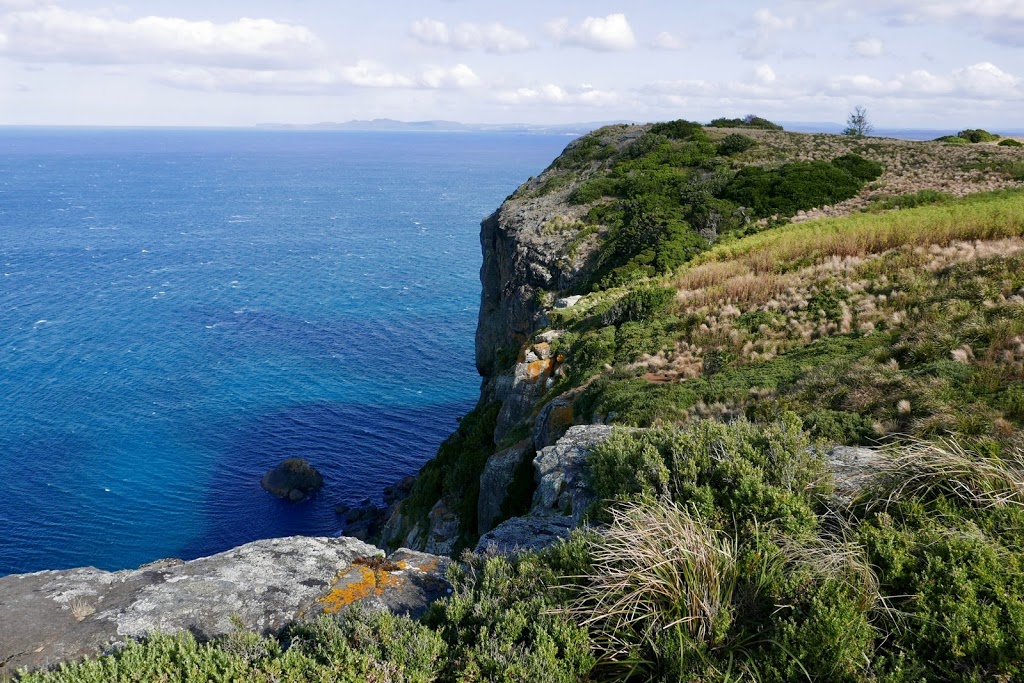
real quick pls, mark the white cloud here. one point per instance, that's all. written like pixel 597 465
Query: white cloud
pixel 493 37
pixel 668 41
pixel 987 80
pixel 458 76
pixel 320 81
pixel 868 47
pixel 765 20
pixel 979 81
pixel 764 74
pixel 606 34
pixel 1001 21
pixel 552 94
pixel 53 34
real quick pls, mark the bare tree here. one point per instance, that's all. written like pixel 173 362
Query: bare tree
pixel 858 125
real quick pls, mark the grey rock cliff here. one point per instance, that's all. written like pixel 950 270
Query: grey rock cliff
pixel 562 497
pixel 54 616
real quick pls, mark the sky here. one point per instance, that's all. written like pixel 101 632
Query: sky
pixel 944 64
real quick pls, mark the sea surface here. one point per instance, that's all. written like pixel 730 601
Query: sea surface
pixel 180 310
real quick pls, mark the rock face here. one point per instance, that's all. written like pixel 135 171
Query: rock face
pixel 54 616
pixel 562 486
pixel 496 482
pixel 853 468
pixel 293 479
pixel 561 499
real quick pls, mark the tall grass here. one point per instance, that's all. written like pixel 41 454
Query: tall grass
pixel 992 216
pixel 925 469
pixel 657 571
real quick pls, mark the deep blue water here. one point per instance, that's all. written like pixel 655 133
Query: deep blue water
pixel 181 310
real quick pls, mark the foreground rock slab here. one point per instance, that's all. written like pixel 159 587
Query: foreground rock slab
pixel 54 616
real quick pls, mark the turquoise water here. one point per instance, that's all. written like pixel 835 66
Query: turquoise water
pixel 181 310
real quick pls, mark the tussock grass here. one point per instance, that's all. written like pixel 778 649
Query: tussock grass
pixel 978 477
pixel 655 569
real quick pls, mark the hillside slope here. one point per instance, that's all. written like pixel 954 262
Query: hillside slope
pixel 660 274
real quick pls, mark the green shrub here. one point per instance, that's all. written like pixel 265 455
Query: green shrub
pixel 592 352
pixel 975 135
pixel 503 621
pixel 454 473
pixel 859 167
pixel 748 121
pixel 953 139
pixel 1010 142
pixel 594 189
pixel 678 130
pixel 735 143
pixel 582 151
pixel 640 305
pixel 791 187
pixel 912 200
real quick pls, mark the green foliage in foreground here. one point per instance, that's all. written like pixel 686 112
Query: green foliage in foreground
pixel 723 542
pixel 1010 142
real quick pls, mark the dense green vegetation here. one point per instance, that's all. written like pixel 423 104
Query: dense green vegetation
pixel 912 348
pixel 1010 142
pixel 670 194
pixel 453 475
pixel 748 121
pixel 722 547
pixel 976 135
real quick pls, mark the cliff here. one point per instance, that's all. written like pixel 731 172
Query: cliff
pixel 686 338
pixel 573 254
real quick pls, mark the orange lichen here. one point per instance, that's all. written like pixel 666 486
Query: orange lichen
pixel 543 350
pixel 352 586
pixel 538 369
pixel 367 576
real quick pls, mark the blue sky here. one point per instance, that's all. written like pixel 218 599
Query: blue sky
pixel 912 63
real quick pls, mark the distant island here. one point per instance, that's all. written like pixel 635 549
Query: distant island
pixel 579 128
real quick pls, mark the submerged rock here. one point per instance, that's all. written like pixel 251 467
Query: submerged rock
pixel 293 479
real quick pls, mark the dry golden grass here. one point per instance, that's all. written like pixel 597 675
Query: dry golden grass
pixel 794 246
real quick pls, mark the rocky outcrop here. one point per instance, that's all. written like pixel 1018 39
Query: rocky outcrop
pixel 54 616
pixel 496 483
pixel 853 469
pixel 562 485
pixel 562 497
pixel 294 479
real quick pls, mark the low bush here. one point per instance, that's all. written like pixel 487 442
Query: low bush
pixel 748 121
pixel 1010 142
pixel 735 143
pixel 453 475
pixel 975 135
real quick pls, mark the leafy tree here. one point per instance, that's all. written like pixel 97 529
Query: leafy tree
pixel 858 125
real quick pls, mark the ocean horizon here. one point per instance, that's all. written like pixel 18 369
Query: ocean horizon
pixel 182 309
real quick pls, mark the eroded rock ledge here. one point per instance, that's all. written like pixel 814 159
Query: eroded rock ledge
pixel 54 616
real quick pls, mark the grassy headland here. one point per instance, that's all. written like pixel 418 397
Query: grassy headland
pixel 749 339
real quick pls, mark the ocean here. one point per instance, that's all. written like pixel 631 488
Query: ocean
pixel 181 310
